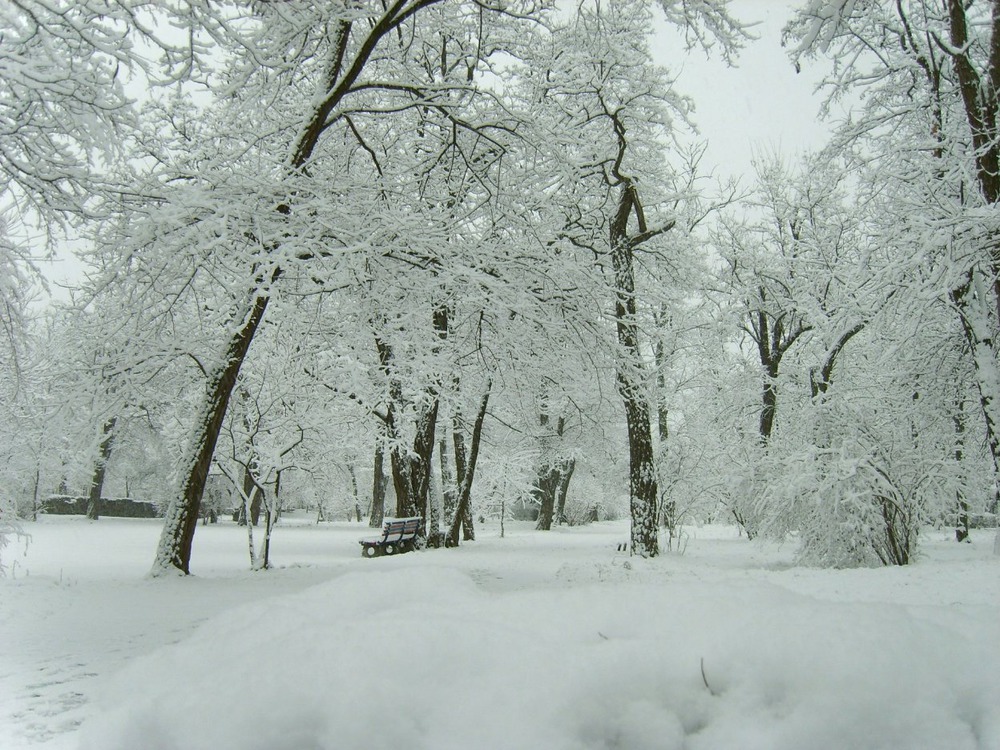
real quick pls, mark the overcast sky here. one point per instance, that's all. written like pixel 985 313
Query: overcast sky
pixel 760 105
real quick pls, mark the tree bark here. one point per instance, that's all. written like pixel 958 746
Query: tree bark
pixel 448 486
pixel 978 329
pixel 465 491
pixel 354 492
pixel 378 488
pixel 642 469
pixel 461 466
pixel 100 469
pixel 562 489
pixel 546 484
pixel 174 550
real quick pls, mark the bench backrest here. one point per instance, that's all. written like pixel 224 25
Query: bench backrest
pixel 400 529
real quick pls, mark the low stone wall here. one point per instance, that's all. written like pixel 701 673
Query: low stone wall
pixel 113 507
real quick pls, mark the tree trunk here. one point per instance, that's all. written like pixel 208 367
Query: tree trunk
pixel 977 325
pixel 411 468
pixel 174 550
pixel 465 491
pixel 448 487
pixel 551 476
pixel 546 484
pixel 435 498
pixel 769 403
pixel 378 488
pixel 354 492
pixel 642 469
pixel 562 489
pixel 100 468
pixel 464 514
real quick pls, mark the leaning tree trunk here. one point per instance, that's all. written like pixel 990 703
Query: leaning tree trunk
pixel 100 469
pixel 181 520
pixel 464 513
pixel 465 490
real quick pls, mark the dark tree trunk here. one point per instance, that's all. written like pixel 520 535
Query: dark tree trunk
pixel 463 513
pixel 100 469
pixel 642 468
pixel 174 551
pixel 465 490
pixel 378 488
pixel 819 381
pixel 546 484
pixel 769 403
pixel 562 489
pixel 978 330
pixel 981 109
pixel 255 492
pixel 410 468
pixel 962 525
pixel 552 481
pixel 662 412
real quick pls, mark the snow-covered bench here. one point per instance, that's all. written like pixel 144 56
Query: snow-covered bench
pixel 397 536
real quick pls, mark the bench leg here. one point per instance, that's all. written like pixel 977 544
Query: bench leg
pixel 369 550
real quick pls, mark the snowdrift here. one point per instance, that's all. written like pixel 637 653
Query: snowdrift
pixel 423 657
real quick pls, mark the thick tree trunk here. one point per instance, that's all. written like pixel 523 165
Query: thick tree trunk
pixel 100 469
pixel 562 489
pixel 551 483
pixel 464 514
pixel 174 550
pixel 546 484
pixel 977 325
pixel 769 404
pixel 411 469
pixel 378 488
pixel 642 468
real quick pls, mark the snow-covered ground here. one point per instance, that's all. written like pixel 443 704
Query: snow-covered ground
pixel 535 640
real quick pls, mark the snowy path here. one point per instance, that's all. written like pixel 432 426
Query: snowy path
pixel 66 629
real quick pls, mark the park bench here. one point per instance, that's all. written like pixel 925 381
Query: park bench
pixel 397 536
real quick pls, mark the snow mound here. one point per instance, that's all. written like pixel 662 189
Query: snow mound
pixel 424 658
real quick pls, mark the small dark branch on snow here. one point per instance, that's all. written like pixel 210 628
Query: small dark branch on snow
pixel 705 679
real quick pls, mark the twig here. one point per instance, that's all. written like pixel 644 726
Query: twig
pixel 705 679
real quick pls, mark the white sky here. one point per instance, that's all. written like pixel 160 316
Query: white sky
pixel 761 105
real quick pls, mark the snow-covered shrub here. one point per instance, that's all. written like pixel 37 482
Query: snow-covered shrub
pixel 10 529
pixel 857 505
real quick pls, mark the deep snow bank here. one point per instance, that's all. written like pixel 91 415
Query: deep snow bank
pixel 423 658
